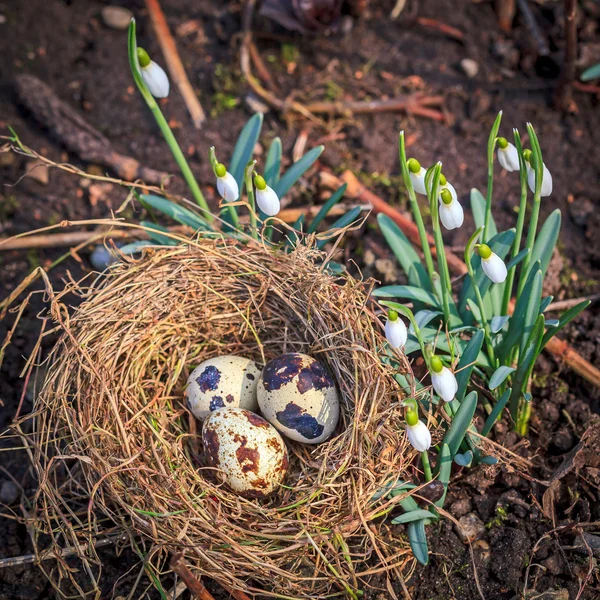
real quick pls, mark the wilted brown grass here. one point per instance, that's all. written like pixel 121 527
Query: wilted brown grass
pixel 115 449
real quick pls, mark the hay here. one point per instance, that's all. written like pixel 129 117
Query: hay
pixel 112 437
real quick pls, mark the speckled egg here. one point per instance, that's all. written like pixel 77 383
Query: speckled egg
pixel 248 452
pixel 223 381
pixel 298 397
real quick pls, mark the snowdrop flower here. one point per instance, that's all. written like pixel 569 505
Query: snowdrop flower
pixel 416 431
pixel 451 212
pixel 446 185
pixel 395 330
pixel 493 266
pixel 418 435
pixel 442 379
pixel 154 77
pixel 508 155
pixel 417 175
pixel 546 189
pixel 226 184
pixel 266 198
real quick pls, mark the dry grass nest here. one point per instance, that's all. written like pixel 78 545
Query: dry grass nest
pixel 116 450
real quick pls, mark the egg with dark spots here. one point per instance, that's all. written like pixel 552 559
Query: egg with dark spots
pixel 246 451
pixel 297 395
pixel 224 381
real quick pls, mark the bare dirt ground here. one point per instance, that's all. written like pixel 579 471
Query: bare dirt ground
pixel 66 44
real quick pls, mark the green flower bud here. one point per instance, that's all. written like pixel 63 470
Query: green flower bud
pixel 260 182
pixel 528 155
pixel 483 250
pixel 143 58
pixel 436 364
pixel 443 180
pixel 446 197
pixel 414 166
pixel 220 170
pixel 412 417
pixel 392 314
pixel 502 143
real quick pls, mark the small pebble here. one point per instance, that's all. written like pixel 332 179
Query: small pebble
pixel 469 67
pixel 255 104
pixel 116 17
pixel 9 493
pixel 471 527
pixel 101 258
pixel 38 170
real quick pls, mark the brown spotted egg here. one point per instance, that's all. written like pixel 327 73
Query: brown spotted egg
pixel 222 381
pixel 248 452
pixel 298 397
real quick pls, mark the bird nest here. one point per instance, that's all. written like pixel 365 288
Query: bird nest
pixel 118 454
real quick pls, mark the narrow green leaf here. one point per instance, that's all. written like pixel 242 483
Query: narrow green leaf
pixel 273 163
pixel 478 203
pixel 497 323
pixel 515 260
pixel 134 247
pixel 527 360
pixel 343 221
pixel 153 229
pixel 244 148
pixel 546 241
pixel 591 73
pixel 464 460
pixel 418 541
pixel 291 176
pixel 176 212
pixel 406 292
pixel 467 362
pixel 393 484
pixel 545 303
pixel 499 376
pixel 564 319
pixel 402 248
pixel 444 469
pixel 414 515
pixel 423 318
pixel 461 423
pixel 331 202
pixel 532 310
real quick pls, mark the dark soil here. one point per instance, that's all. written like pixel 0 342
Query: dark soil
pixel 66 44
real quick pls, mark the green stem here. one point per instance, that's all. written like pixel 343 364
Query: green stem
pixel 490 182
pixel 433 193
pixel 426 465
pixel 250 191
pixel 520 224
pixel 164 126
pixel 415 207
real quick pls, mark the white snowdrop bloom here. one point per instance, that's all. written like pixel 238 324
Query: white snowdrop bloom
pixel 446 185
pixel 546 180
pixel 443 380
pixel 395 330
pixel 508 155
pixel 451 212
pixel 154 76
pixel 493 266
pixel 266 198
pixel 226 184
pixel 418 436
pixel 417 176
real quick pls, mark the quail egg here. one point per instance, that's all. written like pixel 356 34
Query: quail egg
pixel 222 381
pixel 298 397
pixel 248 452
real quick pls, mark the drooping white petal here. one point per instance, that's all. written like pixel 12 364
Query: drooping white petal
pixel 156 79
pixel 444 383
pixel 396 333
pixel 546 181
pixel 509 157
pixel 451 215
pixel 419 436
pixel 494 268
pixel 418 181
pixel 228 188
pixel 268 201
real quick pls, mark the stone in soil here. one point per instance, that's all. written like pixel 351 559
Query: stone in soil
pixel 9 493
pixel 470 527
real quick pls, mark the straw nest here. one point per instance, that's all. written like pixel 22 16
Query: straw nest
pixel 113 437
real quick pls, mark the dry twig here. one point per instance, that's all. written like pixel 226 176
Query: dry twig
pixel 174 64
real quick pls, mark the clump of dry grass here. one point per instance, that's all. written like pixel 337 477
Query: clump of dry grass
pixel 115 449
